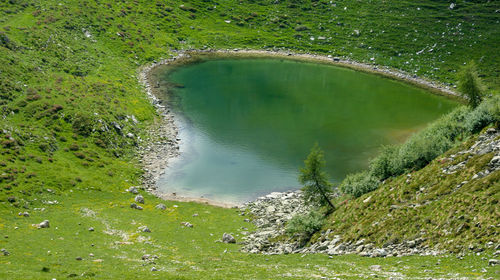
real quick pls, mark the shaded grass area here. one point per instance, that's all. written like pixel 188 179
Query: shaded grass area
pixel 118 245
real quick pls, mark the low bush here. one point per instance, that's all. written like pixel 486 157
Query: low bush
pixel 305 225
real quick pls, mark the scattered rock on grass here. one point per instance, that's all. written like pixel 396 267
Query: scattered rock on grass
pixel 44 224
pixel 5 252
pixel 228 238
pixel 493 262
pixel 144 229
pixel 24 214
pixel 133 190
pixel 376 267
pixel 135 206
pixel 139 199
pixel 187 224
pixel 91 229
pixel 161 206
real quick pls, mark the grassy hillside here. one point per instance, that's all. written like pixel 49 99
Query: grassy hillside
pixel 73 114
pixel 455 211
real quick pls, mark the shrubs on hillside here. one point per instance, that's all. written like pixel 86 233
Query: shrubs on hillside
pixel 424 146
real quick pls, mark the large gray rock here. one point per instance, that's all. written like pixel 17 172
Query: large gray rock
pixel 228 238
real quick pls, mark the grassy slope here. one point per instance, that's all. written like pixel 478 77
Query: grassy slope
pixel 446 216
pixel 55 82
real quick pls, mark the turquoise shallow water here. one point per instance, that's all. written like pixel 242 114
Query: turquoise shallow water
pixel 247 124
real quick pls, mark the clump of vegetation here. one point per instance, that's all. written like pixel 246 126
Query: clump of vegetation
pixel 359 183
pixel 304 226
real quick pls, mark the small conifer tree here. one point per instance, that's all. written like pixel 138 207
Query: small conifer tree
pixel 315 181
pixel 469 84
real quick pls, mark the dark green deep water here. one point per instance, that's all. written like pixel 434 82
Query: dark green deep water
pixel 248 124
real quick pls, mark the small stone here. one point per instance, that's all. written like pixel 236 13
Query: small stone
pixel 493 262
pixel 78 258
pixel 228 238
pixel 154 269
pixel 139 199
pixel 187 224
pixel 195 215
pixel 91 255
pixel 24 214
pixel 376 267
pixel 133 205
pixel 4 252
pixel 44 224
pixel 139 208
pixel 161 206
pixel 146 257
pixel 145 229
pixel 491 130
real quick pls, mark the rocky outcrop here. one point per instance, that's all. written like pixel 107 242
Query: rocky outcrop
pixel 488 142
pixel 273 211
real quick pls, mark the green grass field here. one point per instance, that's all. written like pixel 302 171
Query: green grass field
pixel 70 94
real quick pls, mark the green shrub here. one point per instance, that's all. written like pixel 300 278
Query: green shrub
pixel 488 112
pixel 83 125
pixel 305 225
pixel 359 183
pixel 382 166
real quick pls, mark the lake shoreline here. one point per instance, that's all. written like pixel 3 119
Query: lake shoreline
pixel 164 133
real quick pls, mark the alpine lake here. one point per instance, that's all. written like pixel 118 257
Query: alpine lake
pixel 246 125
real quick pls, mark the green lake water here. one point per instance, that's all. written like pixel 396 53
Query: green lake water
pixel 247 124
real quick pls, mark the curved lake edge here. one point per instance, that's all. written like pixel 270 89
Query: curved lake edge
pixel 156 155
